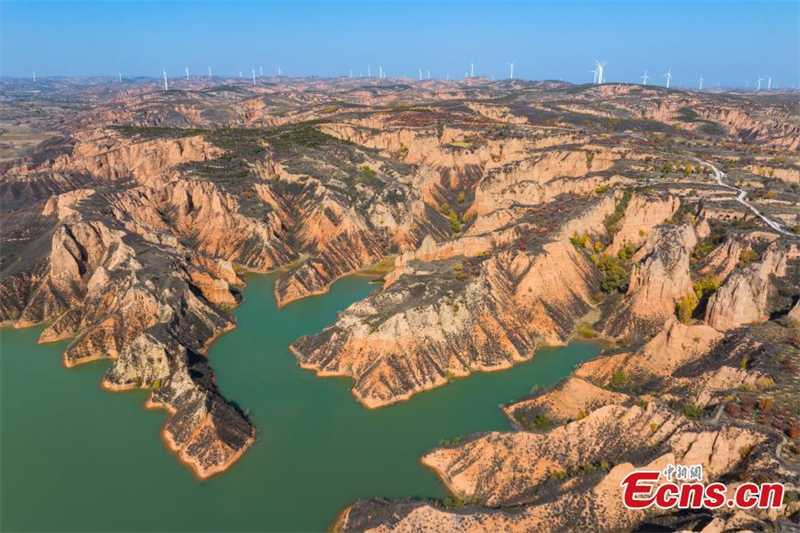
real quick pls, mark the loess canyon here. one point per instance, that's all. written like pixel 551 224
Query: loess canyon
pixel 499 217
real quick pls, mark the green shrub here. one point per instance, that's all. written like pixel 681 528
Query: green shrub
pixel 615 277
pixel 691 411
pixel 619 379
pixel 455 225
pixel 366 170
pixel 685 308
pixel 540 423
pixel 626 252
pixel 454 503
pixel 748 256
pixel 579 241
pixel 705 285
pixel 585 330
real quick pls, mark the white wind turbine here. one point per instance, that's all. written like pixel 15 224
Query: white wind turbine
pixel 369 72
pixel 429 73
pixel 594 78
pixel 511 66
pixel 380 71
pixel 600 71
pixel 701 84
pixel 759 80
pixel 420 74
pixel 645 78
pixel 668 75
pixel 166 84
pixel 471 69
pixel 34 76
pixel 769 83
pixel 120 77
pixel 253 70
pixel 260 72
pixel 209 72
pixel 187 72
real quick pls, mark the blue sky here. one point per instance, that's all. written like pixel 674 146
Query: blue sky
pixel 729 42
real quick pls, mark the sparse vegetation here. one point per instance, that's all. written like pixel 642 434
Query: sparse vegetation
pixel 685 308
pixel 579 241
pixel 615 277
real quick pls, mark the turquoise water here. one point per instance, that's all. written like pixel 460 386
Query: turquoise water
pixel 76 458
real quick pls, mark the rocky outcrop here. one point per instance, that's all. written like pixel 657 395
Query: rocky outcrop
pixel 642 214
pixel 673 347
pixel 660 277
pixel 514 474
pixel 571 399
pixel 723 259
pixel 742 299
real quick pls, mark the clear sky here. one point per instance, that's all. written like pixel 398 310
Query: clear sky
pixel 727 42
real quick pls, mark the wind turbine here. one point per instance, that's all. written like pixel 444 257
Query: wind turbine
pixel 120 77
pixel 471 69
pixel 759 80
pixel 240 73
pixel 668 75
pixel 645 78
pixel 420 74
pixel 253 70
pixel 511 66
pixel 369 72
pixel 209 72
pixel 701 84
pixel 769 83
pixel 187 73
pixel 260 72
pixel 166 84
pixel 34 76
pixel 600 69
pixel 380 71
pixel 595 71
pixel 351 72
pixel 429 73
pixel 280 72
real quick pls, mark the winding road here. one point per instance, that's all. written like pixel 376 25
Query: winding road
pixel 741 198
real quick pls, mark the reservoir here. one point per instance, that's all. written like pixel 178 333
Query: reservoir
pixel 77 458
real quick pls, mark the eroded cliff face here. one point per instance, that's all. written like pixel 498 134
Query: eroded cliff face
pixel 642 214
pixel 457 314
pixel 742 299
pixel 660 277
